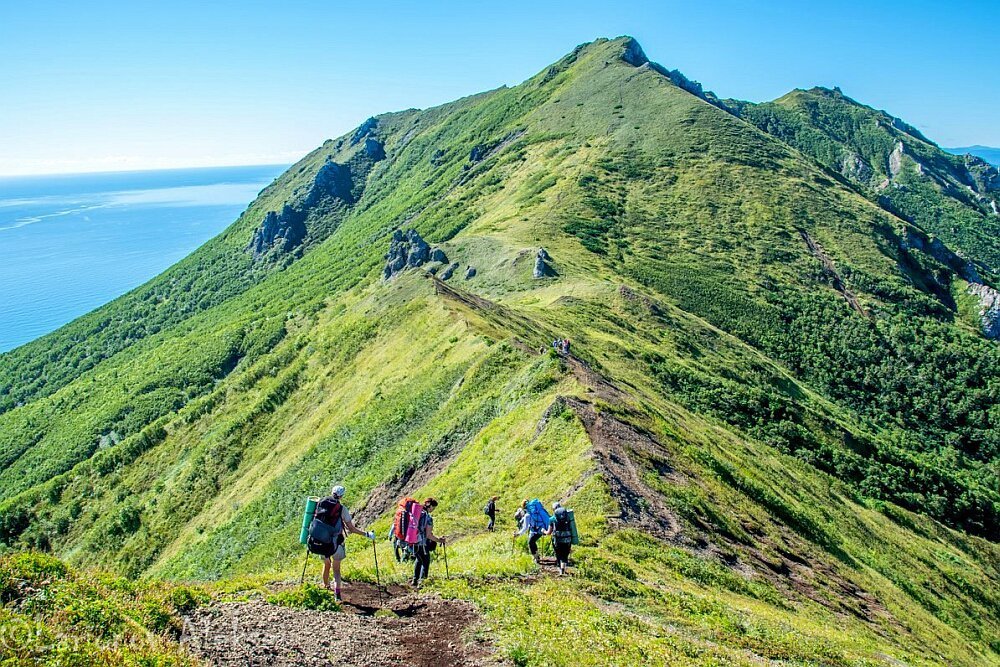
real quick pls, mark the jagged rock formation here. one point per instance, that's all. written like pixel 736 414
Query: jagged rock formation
pixel 470 272
pixel 896 160
pixel 364 130
pixel 374 149
pixel 408 250
pixel 283 232
pixel 449 272
pixel 279 232
pixel 542 268
pixel 854 167
pixel 989 309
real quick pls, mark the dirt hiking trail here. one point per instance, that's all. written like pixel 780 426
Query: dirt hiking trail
pixel 257 633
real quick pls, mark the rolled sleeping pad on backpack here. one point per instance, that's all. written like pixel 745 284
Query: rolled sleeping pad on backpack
pixel 307 518
pixel 572 526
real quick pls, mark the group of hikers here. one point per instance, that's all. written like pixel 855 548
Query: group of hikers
pixel 561 346
pixel 412 532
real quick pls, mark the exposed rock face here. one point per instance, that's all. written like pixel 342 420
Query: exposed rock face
pixel 855 168
pixel 989 309
pixel 896 160
pixel 374 149
pixel 407 250
pixel 280 232
pixel 942 253
pixel 470 272
pixel 449 272
pixel 283 232
pixel 332 180
pixel 364 130
pixel 633 54
pixel 542 268
pixel 983 176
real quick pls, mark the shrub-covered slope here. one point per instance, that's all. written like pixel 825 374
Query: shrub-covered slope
pixel 778 424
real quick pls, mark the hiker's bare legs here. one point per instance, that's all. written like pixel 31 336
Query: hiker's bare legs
pixel 336 575
pixel 326 572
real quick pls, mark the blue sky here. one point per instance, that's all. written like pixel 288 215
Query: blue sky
pixel 129 85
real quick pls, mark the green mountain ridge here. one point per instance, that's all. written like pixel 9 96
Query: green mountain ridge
pixel 778 426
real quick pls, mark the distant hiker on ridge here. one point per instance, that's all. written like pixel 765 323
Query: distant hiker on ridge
pixel 326 535
pixel 491 511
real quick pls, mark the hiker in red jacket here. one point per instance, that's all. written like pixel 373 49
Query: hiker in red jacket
pixel 326 535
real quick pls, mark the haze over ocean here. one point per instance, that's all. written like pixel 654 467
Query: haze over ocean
pixel 70 243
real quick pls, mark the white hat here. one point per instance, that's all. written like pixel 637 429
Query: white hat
pixel 338 491
pixel 556 505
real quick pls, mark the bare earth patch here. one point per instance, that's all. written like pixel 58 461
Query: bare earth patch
pixel 421 631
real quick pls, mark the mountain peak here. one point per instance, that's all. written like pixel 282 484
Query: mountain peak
pixel 633 53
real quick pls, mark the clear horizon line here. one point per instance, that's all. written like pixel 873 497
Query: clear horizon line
pixel 277 161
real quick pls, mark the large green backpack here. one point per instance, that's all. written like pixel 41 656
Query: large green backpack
pixel 563 533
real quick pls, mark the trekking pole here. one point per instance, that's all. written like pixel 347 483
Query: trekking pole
pixel 378 579
pixel 302 579
pixel 447 574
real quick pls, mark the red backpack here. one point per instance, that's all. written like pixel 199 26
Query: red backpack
pixel 407 522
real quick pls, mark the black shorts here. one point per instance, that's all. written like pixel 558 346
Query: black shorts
pixel 326 550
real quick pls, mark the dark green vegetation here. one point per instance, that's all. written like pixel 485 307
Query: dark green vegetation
pixel 780 438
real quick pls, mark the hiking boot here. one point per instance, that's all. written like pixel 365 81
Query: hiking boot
pixel 336 594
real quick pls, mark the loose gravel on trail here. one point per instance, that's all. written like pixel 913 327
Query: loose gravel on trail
pixel 422 631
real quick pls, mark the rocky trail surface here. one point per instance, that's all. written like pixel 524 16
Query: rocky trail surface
pixel 403 629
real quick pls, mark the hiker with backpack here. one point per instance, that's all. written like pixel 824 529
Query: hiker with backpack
pixel 326 535
pixel 491 511
pixel 535 523
pixel 427 541
pixel 561 530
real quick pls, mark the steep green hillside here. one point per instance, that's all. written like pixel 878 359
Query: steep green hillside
pixel 778 425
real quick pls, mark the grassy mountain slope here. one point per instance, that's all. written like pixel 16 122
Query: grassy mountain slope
pixel 778 432
pixel 950 196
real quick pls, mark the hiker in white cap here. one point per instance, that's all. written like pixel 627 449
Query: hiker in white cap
pixel 326 535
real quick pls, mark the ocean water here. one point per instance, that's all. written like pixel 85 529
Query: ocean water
pixel 71 243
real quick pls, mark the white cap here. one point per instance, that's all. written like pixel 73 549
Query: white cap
pixel 556 505
pixel 338 491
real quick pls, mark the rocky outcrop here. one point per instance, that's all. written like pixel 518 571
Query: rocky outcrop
pixel 936 248
pixel 407 250
pixel 374 149
pixel 279 232
pixel 982 176
pixel 896 160
pixel 332 180
pixel 634 55
pixel 989 309
pixel 542 268
pixel 364 130
pixel 470 272
pixel 855 168
pixel 449 272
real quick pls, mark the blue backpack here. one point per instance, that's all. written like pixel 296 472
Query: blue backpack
pixel 538 518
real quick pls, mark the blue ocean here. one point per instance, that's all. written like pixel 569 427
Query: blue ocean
pixel 71 243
